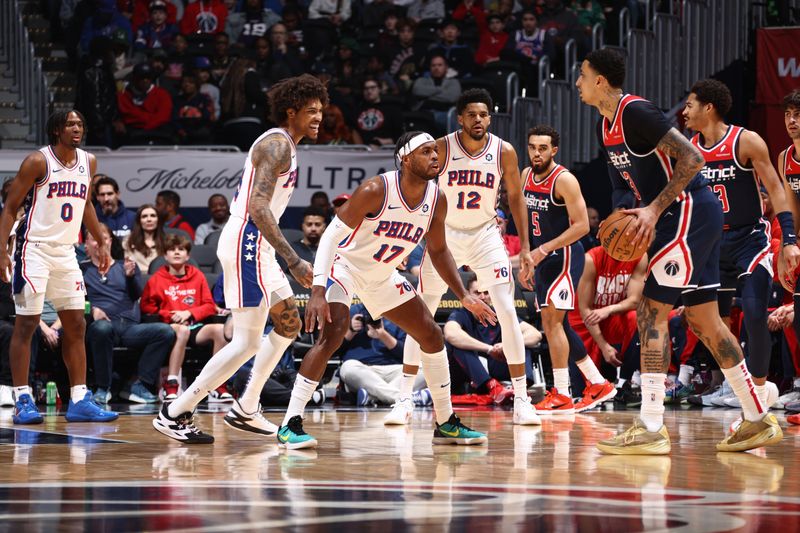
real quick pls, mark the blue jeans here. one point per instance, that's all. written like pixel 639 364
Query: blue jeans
pixel 471 363
pixel 154 340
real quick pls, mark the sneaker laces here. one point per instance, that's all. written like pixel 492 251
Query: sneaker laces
pixel 296 425
pixel 186 421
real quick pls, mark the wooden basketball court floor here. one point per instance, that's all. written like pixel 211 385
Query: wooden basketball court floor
pixel 124 476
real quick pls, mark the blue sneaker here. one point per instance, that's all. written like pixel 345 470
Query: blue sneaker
pixel 25 411
pixel 292 437
pixel 88 411
pixel 454 432
pixel 102 397
pixel 362 398
pixel 139 394
pixel 422 398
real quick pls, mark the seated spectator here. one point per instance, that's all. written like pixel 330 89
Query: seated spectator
pixel 379 123
pixel 387 34
pixel 420 10
pixel 243 103
pixel 192 112
pixel 405 58
pixel 472 16
pixel 178 59
pixel 141 12
pixel 167 204
pixel 110 209
pixel 124 61
pixel 284 56
pixel 372 364
pixel 492 41
pixel 609 293
pixel 460 58
pixel 204 16
pixel 157 33
pixel 221 59
pixel 178 293
pixel 513 246
pixel 561 25
pixel 590 240
pixel 375 13
pixel 321 201
pixel 146 241
pixel 530 42
pixel 478 349
pixel 325 18
pixel 376 68
pixel 117 322
pixel 252 21
pixel 314 223
pixel 293 22
pixel 437 93
pixel 103 22
pixel 202 69
pixel 334 129
pixel 219 210
pixel 96 92
pixel 145 110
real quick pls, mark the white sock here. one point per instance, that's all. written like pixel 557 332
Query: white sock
pixel 761 391
pixel 19 391
pixel 653 391
pixel 589 371
pixel 636 378
pixel 272 349
pixel 621 382
pixel 301 394
pixel 685 374
pixel 171 377
pixel 561 381
pixel 77 393
pixel 437 374
pixel 406 386
pixel 520 386
pixel 742 384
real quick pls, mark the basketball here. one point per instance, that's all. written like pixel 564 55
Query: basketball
pixel 612 236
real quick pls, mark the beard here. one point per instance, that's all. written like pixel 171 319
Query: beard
pixel 476 136
pixel 538 169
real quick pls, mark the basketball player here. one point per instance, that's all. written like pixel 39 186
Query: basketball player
pixel 654 167
pixel 382 223
pixel 52 186
pixel 558 219
pixel 255 287
pixel 474 162
pixel 737 162
pixel 789 167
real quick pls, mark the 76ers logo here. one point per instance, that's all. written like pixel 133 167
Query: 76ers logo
pixel 404 287
pixel 672 268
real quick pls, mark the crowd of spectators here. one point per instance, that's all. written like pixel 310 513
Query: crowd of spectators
pixel 196 72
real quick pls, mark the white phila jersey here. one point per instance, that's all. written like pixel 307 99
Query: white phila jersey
pixel 283 188
pixel 380 243
pixel 470 183
pixel 54 205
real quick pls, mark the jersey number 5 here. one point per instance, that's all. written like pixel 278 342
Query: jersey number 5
pixel 720 191
pixel 535 229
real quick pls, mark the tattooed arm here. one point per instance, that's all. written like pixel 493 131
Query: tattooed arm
pixel 271 157
pixel 688 162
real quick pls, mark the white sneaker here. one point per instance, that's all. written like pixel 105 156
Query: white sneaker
pixel 733 401
pixel 237 418
pixel 525 413
pixel 6 396
pixel 724 392
pixel 772 398
pixel 791 396
pixel 400 414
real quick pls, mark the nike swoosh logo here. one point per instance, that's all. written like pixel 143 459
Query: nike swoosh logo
pixel 448 433
pixel 56 170
pixel 394 207
pixel 595 396
pixel 283 439
pixel 445 385
pixel 559 406
pixel 457 158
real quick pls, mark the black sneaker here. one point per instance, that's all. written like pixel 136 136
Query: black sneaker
pixel 627 396
pixel 180 428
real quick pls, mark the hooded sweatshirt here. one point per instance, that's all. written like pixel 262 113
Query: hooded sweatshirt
pixel 165 293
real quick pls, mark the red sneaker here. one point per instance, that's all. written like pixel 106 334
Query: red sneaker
pixel 794 419
pixel 171 390
pixel 498 393
pixel 594 395
pixel 555 404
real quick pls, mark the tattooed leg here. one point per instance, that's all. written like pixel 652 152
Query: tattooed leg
pixel 651 318
pixel 709 328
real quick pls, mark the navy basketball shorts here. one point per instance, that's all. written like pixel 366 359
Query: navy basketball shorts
pixel 556 278
pixel 684 255
pixel 741 250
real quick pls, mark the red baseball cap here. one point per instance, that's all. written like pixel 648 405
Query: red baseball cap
pixel 339 200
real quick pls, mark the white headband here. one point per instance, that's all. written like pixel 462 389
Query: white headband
pixel 414 143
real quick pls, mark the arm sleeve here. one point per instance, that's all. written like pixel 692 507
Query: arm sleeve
pixel 644 125
pixel 335 233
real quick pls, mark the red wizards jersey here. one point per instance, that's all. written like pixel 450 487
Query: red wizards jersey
pixel 736 185
pixel 791 169
pixel 612 277
pixel 548 217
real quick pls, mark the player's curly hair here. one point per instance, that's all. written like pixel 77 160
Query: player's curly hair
pixel 294 93
pixel 792 100
pixel 474 96
pixel 58 120
pixel 544 129
pixel 610 64
pixel 713 92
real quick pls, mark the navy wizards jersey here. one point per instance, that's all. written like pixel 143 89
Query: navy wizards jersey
pixel 736 185
pixel 637 165
pixel 791 169
pixel 548 217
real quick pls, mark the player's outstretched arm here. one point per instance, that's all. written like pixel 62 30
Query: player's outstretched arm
pixel 366 200
pixel 516 202
pixel 443 262
pixel 271 157
pixel 688 162
pixel 567 188
pixel 32 168
pixel 93 225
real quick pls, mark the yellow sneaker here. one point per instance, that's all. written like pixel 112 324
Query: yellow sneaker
pixel 636 440
pixel 751 435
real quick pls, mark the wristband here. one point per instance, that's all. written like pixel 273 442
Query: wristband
pixel 787 227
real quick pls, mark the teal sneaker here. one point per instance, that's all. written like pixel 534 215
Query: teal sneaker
pixel 292 437
pixel 454 432
pixel 682 393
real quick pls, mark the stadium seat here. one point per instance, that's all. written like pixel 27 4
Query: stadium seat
pixel 212 239
pixel 206 256
pixel 159 261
